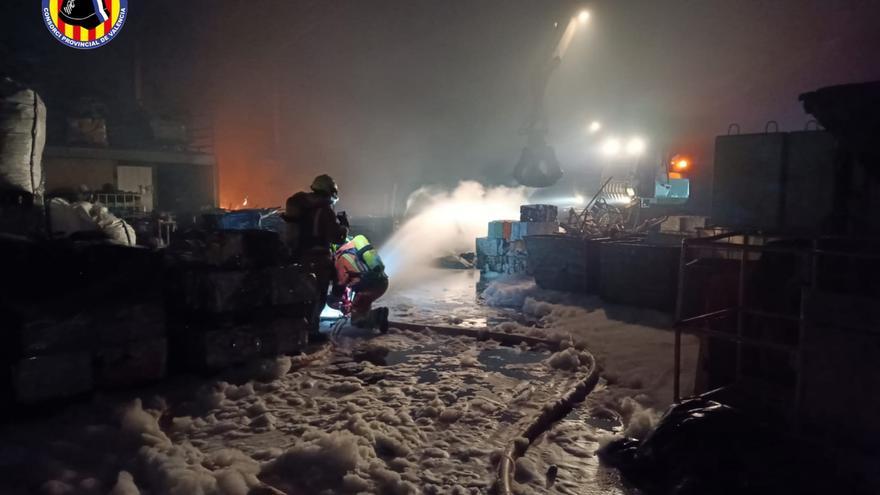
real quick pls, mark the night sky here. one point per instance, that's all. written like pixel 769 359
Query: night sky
pixel 420 92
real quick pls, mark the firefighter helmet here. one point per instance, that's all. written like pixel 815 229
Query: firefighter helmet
pixel 325 184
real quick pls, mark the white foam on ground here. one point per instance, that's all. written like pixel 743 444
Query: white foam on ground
pixel 633 346
pixel 353 427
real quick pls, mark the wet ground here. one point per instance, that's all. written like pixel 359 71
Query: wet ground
pixel 568 451
pixel 402 413
pixel 571 445
pixel 451 298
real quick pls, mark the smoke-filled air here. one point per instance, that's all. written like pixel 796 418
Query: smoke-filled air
pixel 440 222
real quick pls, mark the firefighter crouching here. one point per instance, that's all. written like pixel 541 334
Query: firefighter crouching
pixel 360 281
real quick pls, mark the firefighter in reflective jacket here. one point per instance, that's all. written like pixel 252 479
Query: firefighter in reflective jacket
pixel 359 271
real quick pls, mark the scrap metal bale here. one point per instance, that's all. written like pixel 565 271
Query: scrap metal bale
pixel 219 291
pixel 521 230
pixel 213 342
pixel 234 249
pixel 538 213
pixel 222 348
pixel 35 335
pixel 243 249
pixel 57 376
pixel 500 229
pixel 290 285
pixel 131 363
pixel 139 321
pixel 490 246
pixel 284 335
pixel 211 290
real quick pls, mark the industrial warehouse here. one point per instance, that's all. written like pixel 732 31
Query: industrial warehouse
pixel 425 247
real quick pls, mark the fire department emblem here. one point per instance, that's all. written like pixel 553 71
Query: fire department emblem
pixel 84 24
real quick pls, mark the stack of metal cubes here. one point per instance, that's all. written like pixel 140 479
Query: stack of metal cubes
pixel 503 251
pixel 237 298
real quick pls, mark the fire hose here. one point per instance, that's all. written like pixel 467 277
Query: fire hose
pixel 550 413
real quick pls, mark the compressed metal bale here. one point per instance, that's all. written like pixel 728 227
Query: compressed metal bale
pixel 223 348
pixel 55 376
pixel 213 290
pixel 538 213
pixel 489 246
pixel 131 363
pixel 36 335
pixel 222 291
pixel 291 285
pixel 521 230
pixel 500 229
pixel 283 335
pixel 230 249
pixel 134 322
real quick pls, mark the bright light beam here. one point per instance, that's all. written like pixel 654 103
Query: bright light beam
pixel 611 147
pixel 635 146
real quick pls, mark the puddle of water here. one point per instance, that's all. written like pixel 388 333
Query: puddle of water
pixel 605 422
pixel 403 355
pixel 500 359
pixel 503 360
pixel 598 418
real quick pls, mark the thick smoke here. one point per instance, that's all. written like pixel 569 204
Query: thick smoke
pixel 441 222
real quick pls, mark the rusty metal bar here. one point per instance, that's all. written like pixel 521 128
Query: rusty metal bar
pixel 707 316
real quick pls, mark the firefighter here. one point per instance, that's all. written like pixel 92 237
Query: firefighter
pixel 312 227
pixel 360 272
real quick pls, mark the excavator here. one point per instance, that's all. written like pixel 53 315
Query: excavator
pixel 538 165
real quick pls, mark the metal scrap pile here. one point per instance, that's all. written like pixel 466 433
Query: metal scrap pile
pixel 600 220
